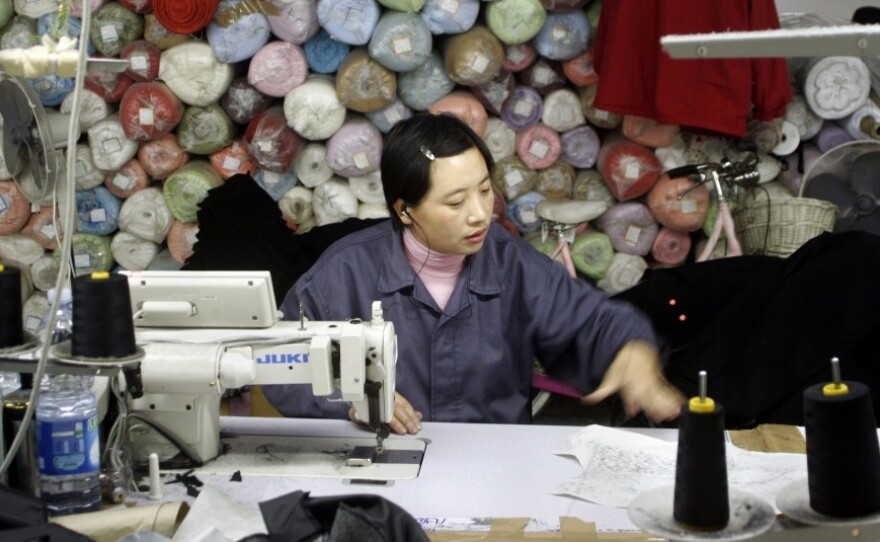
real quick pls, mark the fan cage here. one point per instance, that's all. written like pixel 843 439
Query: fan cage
pixel 778 228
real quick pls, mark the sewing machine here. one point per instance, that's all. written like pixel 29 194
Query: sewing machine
pixel 208 332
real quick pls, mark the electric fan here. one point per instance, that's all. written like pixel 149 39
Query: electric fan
pixel 848 175
pixel 30 138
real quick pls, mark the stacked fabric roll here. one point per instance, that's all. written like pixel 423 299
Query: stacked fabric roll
pixel 299 94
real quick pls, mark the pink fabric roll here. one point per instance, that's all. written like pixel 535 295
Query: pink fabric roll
pixel 144 59
pixel 465 106
pixel 233 159
pixel 157 34
pixel 543 75
pixel 182 236
pixel 14 208
pixel 629 169
pixel 161 157
pixel 682 214
pixel 631 228
pixel 277 68
pixel 108 85
pixel 148 111
pixel 649 132
pixel 42 229
pixel 354 150
pixel 138 6
pixel 671 247
pixel 538 146
pixel 128 179
pixel 296 21
pixel 519 57
pixel 494 93
pixel 271 141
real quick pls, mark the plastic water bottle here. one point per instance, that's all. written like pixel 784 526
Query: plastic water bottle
pixel 68 444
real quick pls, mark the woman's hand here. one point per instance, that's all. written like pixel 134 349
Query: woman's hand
pixel 635 375
pixel 406 420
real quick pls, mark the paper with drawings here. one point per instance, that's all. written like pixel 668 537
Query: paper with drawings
pixel 619 465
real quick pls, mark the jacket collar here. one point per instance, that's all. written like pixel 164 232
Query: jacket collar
pixel 395 272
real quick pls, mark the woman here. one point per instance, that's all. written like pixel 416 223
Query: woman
pixel 472 304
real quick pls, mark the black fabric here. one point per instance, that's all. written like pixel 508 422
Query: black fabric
pixel 241 228
pixel 20 509
pixel 764 329
pixel 49 532
pixel 297 517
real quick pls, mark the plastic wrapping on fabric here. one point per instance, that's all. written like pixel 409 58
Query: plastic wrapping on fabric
pixel 274 183
pixel 494 93
pixel 296 20
pixel 598 117
pixel 51 89
pixel 43 272
pixel 543 75
pixel 450 16
pixel 363 84
pixel 204 129
pixel 864 122
pixel 630 226
pixel 161 157
pixel 160 36
pixel 798 112
pixel 473 57
pixel 625 271
pixel 233 159
pixel 143 58
pixel 91 253
pixel 19 33
pixel 671 247
pixel 368 189
pixel 184 17
pixel 34 8
pixel 403 5
pixel 835 86
pixel 98 211
pixel 94 108
pixel 521 211
pixel 272 143
pixel 648 132
pixel 20 248
pixel 240 40
pixel 355 149
pixel 466 107
pixel 349 21
pixel 580 70
pixel 499 138
pixel 148 111
pixel 110 148
pixel 127 180
pixel 242 101
pixel 195 75
pixel 562 110
pixel 524 108
pixel 311 165
pixel 589 186
pixel 512 177
pixel 629 169
pixel 146 215
pixel 277 68
pixel 592 253
pixel 87 175
pixel 519 56
pixel 138 6
pixel 425 85
pixel 15 209
pixel 515 21
pixel 113 27
pixel 678 203
pixel 109 86
pixel 313 109
pixel 323 53
pixel 580 146
pixel 132 252
pixel 296 204
pixel 538 146
pixel 401 41
pixel 563 35
pixel 181 239
pixel 333 201
pixel 187 187
pixel 43 228
pixel 556 181
pixel 390 115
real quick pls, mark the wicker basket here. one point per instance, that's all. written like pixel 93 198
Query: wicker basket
pixel 792 222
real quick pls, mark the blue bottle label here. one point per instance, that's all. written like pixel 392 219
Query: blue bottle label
pixel 68 446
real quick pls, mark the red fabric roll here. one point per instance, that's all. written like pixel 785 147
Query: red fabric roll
pixel 671 247
pixel 538 146
pixel 184 17
pixel 649 132
pixel 128 179
pixel 233 159
pixel 109 86
pixel 271 141
pixel 161 157
pixel 148 111
pixel 42 229
pixel 144 59
pixel 519 57
pixel 685 214
pixel 14 208
pixel 579 70
pixel 181 238
pixel 465 106
pixel 629 169
pixel 138 6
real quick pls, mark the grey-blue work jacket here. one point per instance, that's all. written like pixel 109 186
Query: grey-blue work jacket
pixel 473 361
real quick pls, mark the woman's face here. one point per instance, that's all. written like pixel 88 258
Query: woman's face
pixel 454 215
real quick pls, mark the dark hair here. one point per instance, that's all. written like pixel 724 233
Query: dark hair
pixel 405 166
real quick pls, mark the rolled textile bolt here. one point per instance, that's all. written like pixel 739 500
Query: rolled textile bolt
pixel 390 115
pixel 466 107
pixel 363 84
pixel 831 135
pixel 185 189
pixel 839 95
pixel 523 109
pixel 401 41
pixel 678 203
pixel 598 117
pixel 161 157
pixel 625 271
pixel 354 150
pixel 146 215
pixel 368 188
pixel 515 21
pixel 34 8
pixel 160 36
pixel 588 185
pixel 127 180
pixel 34 310
pixel 592 253
pixel 16 209
pixel 538 146
pixel 562 110
pixel 90 253
pixel 563 35
pixel 296 20
pixel 41 227
pixel 323 53
pixel 193 73
pixel 110 86
pixel 233 159
pixel 109 146
pixel 98 211
pixel 494 93
pixel 789 140
pixel 521 211
pixel 21 249
pixel 43 272
pixel 864 122
pixel 311 165
pixel 556 181
pixel 648 132
pixel 113 27
pixel 181 239
pixel 419 88
pixel 138 6
pixel 519 57
pixel 333 201
pixel 19 33
pixel 500 138
pixel 313 109
pixel 798 112
pixel 513 178
pixel 94 108
pixel 5 12
pixel 204 129
pixel 349 21
pixel 275 184
pixel 51 89
pixel 296 205
pixel 242 101
pixel 473 57
pixel 580 146
pixel 671 247
pixel 143 59
pixel 544 75
pixel 132 252
pixel 164 262
pixel 149 110
pixel 277 68
pixel 86 174
pixel 631 227
pixel 185 18
pixel 579 69
pixel 271 141
pixel 450 17
pixel 629 169
pixel 240 40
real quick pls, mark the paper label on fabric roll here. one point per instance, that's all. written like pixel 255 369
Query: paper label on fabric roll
pixel 392 115
pixel 632 235
pixel 360 160
pixel 516 55
pixel 111 145
pixel 528 216
pixel 123 181
pixel 32 323
pixel 539 148
pixel 47 231
pixel 480 63
pixel 513 179
pixel 631 171
pixel 402 45
pixel 79 168
pixel 558 33
pixel 231 163
pixel 601 114
pixel 191 237
pixel 523 108
pixel 450 6
pixel 688 206
pixel 97 215
pixel 82 261
pixel 3 204
pixel 271 178
pixel 109 33
pixel 138 62
pixel 542 75
pixel 146 117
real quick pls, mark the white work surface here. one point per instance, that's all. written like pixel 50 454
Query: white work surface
pixel 468 471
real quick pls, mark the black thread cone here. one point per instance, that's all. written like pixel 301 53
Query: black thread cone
pixel 701 496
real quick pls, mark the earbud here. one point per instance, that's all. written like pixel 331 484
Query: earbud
pixel 405 213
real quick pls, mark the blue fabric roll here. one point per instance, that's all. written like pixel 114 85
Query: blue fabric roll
pixel 387 117
pixel 51 89
pixel 401 41
pixel 450 16
pixel 521 212
pixel 240 40
pixel 426 84
pixel 98 211
pixel 276 184
pixel 563 36
pixel 323 53
pixel 349 21
pixel 48 24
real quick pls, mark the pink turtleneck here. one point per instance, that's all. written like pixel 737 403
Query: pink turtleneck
pixel 437 271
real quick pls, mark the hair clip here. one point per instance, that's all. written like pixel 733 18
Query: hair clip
pixel 427 152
